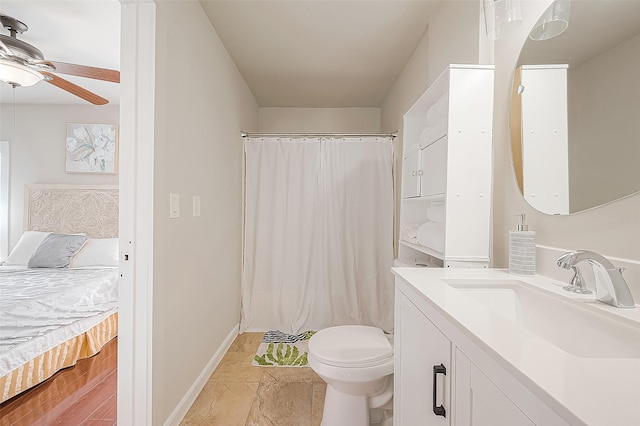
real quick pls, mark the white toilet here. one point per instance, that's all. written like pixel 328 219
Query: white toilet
pixel 356 361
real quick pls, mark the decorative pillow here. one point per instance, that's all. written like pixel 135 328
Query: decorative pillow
pixel 26 247
pixel 56 250
pixel 97 252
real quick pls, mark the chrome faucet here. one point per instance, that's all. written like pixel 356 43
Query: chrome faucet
pixel 611 288
pixel 577 283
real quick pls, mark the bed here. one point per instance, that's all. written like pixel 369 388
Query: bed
pixel 52 314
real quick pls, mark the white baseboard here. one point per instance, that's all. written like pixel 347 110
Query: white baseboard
pixel 257 330
pixel 189 398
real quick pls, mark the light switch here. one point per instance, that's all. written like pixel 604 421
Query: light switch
pixel 196 206
pixel 174 206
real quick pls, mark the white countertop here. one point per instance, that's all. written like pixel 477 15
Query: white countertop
pixel 597 391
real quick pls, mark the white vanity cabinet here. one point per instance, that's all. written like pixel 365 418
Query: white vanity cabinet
pixel 447 144
pixel 476 389
pixel 479 402
pixel 423 360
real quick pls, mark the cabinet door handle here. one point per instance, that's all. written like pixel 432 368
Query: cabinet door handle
pixel 419 172
pixel 413 173
pixel 438 410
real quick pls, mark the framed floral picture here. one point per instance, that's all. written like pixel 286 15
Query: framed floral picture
pixel 91 148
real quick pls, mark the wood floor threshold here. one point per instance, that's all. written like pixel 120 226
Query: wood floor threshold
pixel 84 394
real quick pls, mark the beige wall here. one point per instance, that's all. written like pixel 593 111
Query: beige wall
pixel 320 120
pixel 411 83
pixel 200 111
pixel 36 134
pixel 452 38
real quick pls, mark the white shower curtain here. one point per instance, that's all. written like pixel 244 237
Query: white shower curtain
pixel 318 244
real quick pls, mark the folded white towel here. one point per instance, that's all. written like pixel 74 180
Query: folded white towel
pixel 409 233
pixel 436 213
pixel 431 234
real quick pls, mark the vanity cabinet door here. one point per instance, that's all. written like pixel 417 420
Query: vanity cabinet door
pixel 423 355
pixel 479 402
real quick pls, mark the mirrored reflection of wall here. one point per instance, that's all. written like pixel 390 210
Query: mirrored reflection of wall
pixel 604 123
pixel 601 47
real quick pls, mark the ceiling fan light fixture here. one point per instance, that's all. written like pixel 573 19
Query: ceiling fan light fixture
pixel 17 74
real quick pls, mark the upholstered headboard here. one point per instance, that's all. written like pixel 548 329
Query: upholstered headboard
pixel 92 209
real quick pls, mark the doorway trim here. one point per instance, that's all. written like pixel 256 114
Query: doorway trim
pixel 137 99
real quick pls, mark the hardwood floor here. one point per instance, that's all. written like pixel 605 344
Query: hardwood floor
pixel 84 394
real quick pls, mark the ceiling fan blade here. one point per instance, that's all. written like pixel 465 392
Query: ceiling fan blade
pixel 86 71
pixel 74 89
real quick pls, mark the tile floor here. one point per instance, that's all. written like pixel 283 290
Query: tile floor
pixel 238 393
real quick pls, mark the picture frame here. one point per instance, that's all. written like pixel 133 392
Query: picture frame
pixel 91 148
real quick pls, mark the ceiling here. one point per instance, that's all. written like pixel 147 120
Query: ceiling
pixel 313 53
pixel 320 53
pixel 308 53
pixel 83 32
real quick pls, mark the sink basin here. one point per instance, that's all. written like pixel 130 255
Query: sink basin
pixel 560 321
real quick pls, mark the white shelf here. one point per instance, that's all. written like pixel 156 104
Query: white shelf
pixel 434 197
pixel 413 263
pixel 422 249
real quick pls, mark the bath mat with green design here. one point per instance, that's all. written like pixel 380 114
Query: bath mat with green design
pixel 278 349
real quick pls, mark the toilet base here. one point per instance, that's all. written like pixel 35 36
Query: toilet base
pixel 381 416
pixel 342 409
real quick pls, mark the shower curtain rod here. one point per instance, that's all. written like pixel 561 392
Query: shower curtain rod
pixel 285 135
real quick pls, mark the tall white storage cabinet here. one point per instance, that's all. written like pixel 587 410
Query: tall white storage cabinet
pixel 445 212
pixel 545 137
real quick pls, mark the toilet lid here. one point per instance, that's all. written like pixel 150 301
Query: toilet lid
pixel 351 345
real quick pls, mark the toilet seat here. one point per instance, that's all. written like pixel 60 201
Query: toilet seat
pixel 351 346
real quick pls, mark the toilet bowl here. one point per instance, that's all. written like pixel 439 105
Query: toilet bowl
pixel 356 362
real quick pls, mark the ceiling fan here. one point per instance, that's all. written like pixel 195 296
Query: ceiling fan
pixel 22 64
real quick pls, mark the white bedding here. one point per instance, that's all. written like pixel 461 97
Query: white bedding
pixel 42 308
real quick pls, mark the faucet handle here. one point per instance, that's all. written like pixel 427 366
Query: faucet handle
pixel 577 283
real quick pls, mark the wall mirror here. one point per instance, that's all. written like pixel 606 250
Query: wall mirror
pixel 575 111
